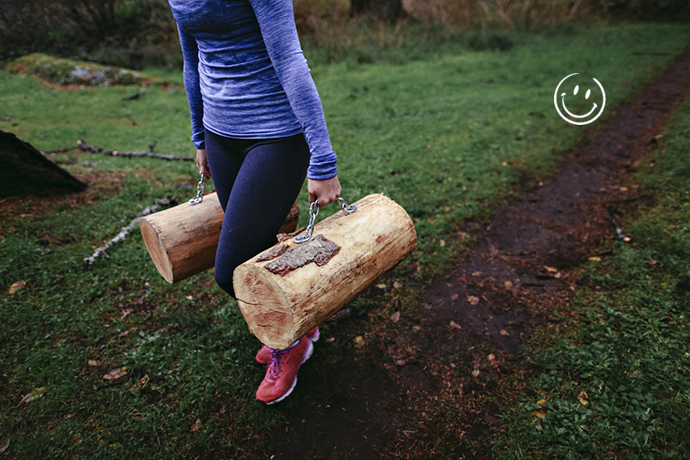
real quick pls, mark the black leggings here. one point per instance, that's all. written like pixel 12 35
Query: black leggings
pixel 257 181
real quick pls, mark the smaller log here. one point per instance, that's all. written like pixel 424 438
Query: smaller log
pixel 182 241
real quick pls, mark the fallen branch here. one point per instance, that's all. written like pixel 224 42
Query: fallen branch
pixel 125 231
pixel 60 150
pixel 84 147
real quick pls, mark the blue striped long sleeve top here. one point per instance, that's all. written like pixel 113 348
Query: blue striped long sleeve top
pixel 246 76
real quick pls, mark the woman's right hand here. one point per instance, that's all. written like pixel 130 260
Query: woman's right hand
pixel 202 163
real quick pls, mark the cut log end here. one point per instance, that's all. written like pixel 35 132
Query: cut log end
pixel 265 308
pixel 156 250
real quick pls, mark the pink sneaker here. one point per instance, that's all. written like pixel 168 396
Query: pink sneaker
pixel 281 372
pixel 264 351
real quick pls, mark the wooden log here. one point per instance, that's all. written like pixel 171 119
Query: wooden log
pixel 287 290
pixel 182 241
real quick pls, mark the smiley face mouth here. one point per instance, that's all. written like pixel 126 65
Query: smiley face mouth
pixel 594 107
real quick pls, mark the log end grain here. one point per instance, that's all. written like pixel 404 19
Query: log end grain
pixel 159 255
pixel 264 307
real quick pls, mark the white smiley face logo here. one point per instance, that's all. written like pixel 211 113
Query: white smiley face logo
pixel 572 118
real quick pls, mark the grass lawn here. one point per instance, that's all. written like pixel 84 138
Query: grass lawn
pixel 619 386
pixel 446 137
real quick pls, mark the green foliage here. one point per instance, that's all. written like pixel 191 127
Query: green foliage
pixel 630 352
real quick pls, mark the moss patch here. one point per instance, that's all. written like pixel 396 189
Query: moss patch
pixel 68 72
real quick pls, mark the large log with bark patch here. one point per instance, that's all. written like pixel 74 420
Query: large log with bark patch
pixel 182 241
pixel 287 290
pixel 25 171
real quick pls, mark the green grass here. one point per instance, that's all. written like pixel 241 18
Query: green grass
pixel 630 353
pixel 430 133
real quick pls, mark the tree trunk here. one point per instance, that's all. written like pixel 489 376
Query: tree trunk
pixel 290 288
pixel 390 10
pixel 25 171
pixel 182 241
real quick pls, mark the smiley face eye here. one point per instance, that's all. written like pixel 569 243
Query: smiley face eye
pixel 589 91
pixel 577 88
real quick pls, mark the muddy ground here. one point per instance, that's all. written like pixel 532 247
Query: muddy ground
pixel 433 381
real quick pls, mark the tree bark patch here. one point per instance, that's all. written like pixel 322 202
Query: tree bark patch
pixel 318 250
pixel 273 253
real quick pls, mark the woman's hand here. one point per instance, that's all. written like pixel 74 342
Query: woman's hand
pixel 325 191
pixel 202 163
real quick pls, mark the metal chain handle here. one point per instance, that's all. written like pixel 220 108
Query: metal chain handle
pixel 310 227
pixel 312 218
pixel 346 209
pixel 200 187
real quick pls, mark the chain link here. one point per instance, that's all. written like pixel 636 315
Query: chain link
pixel 346 209
pixel 200 187
pixel 310 228
pixel 312 218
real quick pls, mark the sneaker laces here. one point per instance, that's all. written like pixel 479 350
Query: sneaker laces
pixel 274 363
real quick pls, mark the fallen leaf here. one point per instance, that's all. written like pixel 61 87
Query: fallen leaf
pixel 330 339
pixel 446 208
pixel 359 341
pixel 93 362
pixel 126 312
pixel 222 410
pixel 541 403
pixel 124 334
pixel 475 372
pixel 37 393
pixel 623 189
pixel 504 332
pixel 476 273
pixel 114 374
pixel 539 414
pixel 16 286
pixel 397 285
pixel 189 297
pixel 381 286
pixel 595 259
pixel 455 325
pixel 442 243
pixel 416 328
pixel 473 300
pixel 401 362
pixel 138 417
pixel 626 239
pixel 557 275
pixel 4 447
pixel 652 261
pixel 491 357
pixel 551 269
pixel 196 425
pixel 583 398
pixel 508 284
pixel 454 297
pixel 395 317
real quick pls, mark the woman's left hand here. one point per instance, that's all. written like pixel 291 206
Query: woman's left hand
pixel 325 191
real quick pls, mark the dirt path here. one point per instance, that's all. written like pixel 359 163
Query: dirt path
pixel 435 381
